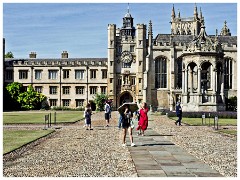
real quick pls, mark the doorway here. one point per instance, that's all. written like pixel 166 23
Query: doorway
pixel 126 97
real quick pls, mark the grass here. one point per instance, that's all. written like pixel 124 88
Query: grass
pixel 38 117
pixel 14 139
pixel 198 121
pixel 227 131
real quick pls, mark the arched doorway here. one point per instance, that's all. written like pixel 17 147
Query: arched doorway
pixel 127 97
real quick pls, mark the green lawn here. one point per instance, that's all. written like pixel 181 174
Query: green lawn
pixel 198 121
pixel 38 117
pixel 14 139
pixel 227 131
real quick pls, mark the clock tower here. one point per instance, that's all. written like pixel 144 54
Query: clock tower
pixel 126 61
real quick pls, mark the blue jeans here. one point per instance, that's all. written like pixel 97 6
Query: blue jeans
pixel 120 121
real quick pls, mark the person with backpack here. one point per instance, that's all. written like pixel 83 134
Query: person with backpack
pixel 107 109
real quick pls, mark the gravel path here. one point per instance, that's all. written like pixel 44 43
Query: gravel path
pixel 217 150
pixel 74 151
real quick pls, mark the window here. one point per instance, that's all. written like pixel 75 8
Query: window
pixel 38 89
pixel 126 65
pixel 53 102
pixel 23 74
pixel 66 89
pixel 66 73
pixel 38 74
pixel 25 88
pixel 179 74
pixel 79 74
pixel 66 102
pixel 79 89
pixel 132 80
pixel 161 72
pixel 140 80
pixel 52 74
pixel 104 74
pixel 131 48
pixel 79 102
pixel 9 75
pixel 119 82
pixel 103 90
pixel 228 74
pixel 53 90
pixel 93 90
pixel 119 50
pixel 93 74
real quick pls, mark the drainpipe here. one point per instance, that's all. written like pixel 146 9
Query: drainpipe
pixel 87 81
pixel 60 84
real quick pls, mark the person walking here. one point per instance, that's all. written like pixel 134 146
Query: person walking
pixel 107 109
pixel 143 120
pixel 126 125
pixel 88 114
pixel 179 113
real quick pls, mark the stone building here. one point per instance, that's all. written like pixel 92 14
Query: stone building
pixel 185 65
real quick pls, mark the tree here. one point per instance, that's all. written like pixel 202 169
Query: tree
pixel 29 99
pixel 99 100
pixel 9 55
pixel 14 89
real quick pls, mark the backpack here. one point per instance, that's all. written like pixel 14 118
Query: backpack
pixel 107 109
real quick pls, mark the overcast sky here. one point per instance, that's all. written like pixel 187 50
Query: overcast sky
pixel 81 28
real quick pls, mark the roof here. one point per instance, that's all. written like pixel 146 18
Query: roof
pixel 231 40
pixel 55 59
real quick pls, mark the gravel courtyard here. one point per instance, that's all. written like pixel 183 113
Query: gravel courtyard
pixel 74 151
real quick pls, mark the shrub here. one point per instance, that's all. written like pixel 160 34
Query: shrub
pixel 223 114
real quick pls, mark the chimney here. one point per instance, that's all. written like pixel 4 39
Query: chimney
pixel 64 54
pixel 33 55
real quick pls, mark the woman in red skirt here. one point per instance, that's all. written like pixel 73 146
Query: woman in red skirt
pixel 143 120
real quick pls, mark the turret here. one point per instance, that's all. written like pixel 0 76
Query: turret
pixel 173 13
pixel 195 14
pixel 150 34
pixel 225 30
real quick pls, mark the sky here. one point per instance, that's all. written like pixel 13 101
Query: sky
pixel 81 28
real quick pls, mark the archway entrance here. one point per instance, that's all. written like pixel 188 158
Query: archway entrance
pixel 127 97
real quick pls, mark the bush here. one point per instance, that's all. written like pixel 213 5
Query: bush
pixel 223 114
pixel 231 104
pixel 62 108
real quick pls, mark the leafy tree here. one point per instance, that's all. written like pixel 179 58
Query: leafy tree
pixel 99 100
pixel 14 89
pixel 29 99
pixel 9 55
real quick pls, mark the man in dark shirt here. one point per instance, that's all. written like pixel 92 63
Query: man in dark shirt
pixel 179 113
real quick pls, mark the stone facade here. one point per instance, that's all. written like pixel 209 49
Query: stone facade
pixel 186 65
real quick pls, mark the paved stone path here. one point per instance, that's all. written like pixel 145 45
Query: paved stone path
pixel 156 156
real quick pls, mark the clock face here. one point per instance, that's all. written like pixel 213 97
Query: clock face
pixel 126 57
